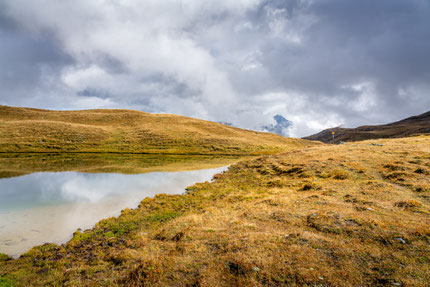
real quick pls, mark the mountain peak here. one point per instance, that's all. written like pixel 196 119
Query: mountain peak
pixel 281 126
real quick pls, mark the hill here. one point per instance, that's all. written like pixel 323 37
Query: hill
pixel 356 214
pixel 415 125
pixel 128 131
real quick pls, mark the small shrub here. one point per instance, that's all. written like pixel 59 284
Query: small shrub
pixel 324 223
pixel 43 251
pixel 274 183
pixel 339 174
pixel 4 257
pixel 420 189
pixel 295 169
pixel 407 204
pixel 307 187
pixel 218 176
pixel 394 175
pixel 145 273
pixel 323 175
pixel 329 192
pixel 79 237
pixel 394 167
pixel 420 171
pixel 237 268
pixel 305 175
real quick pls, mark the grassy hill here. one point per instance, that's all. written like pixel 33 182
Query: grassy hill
pixel 127 131
pixel 329 215
pixel 415 125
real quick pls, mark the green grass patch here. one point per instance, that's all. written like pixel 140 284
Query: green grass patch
pixel 4 257
pixel 163 216
pixel 6 282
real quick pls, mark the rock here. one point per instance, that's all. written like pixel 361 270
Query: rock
pixel 401 240
pixel 281 126
pixel 375 144
pixel 256 269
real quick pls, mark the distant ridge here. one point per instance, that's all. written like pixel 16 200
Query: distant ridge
pixel 129 131
pixel 411 126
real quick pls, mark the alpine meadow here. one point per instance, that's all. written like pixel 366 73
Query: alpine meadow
pixel 221 143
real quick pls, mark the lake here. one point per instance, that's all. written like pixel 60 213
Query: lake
pixel 39 207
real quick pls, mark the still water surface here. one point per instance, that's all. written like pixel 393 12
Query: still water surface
pixel 49 206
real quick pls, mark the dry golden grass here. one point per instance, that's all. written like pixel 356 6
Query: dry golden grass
pixel 127 131
pixel 348 215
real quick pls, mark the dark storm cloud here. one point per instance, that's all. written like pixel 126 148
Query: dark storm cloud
pixel 24 62
pixel 317 63
pixel 384 43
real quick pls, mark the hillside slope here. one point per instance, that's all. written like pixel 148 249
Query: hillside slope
pixel 415 125
pixel 128 131
pixel 331 215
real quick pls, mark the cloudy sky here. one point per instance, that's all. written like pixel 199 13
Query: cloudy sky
pixel 318 63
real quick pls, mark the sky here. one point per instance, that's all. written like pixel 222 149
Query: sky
pixel 318 63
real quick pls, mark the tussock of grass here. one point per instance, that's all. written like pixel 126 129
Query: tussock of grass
pixel 408 204
pixel 252 227
pixel 4 257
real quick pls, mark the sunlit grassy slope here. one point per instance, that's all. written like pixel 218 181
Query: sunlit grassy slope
pixel 348 215
pixel 127 131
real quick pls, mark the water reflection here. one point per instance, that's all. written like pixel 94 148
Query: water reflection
pixel 48 207
pixel 12 165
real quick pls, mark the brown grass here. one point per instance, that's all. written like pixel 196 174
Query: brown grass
pixel 320 216
pixel 412 126
pixel 127 131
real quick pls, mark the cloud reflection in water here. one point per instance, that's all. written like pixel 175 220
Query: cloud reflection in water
pixel 49 207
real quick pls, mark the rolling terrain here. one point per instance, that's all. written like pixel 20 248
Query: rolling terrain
pixel 128 131
pixel 415 125
pixel 356 214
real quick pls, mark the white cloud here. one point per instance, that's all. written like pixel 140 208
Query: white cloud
pixel 287 28
pixel 79 79
pixel 144 44
pixel 317 63
pixel 366 96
